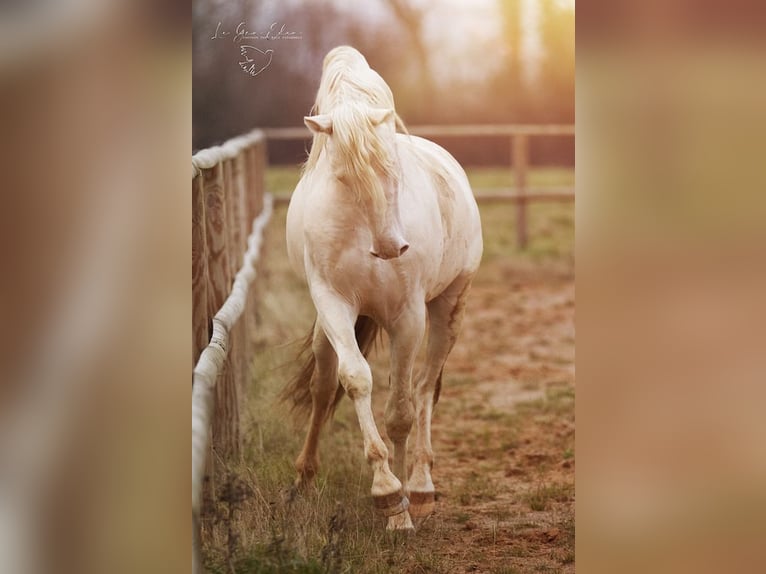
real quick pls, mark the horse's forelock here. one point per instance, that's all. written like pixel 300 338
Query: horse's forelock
pixel 362 152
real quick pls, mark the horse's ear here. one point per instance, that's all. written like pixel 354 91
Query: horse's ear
pixel 319 124
pixel 379 115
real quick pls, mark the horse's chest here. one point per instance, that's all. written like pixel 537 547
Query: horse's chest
pixel 377 289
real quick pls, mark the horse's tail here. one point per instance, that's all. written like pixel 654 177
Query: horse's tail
pixel 298 390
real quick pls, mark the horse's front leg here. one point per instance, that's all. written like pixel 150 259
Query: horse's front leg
pixel 445 315
pixel 406 337
pixel 338 319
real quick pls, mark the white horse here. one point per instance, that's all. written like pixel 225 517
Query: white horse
pixel 385 229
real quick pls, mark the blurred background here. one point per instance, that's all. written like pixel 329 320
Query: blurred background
pixel 447 62
pixel 96 110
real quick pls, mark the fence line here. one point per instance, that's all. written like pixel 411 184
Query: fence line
pixel 519 135
pixel 227 194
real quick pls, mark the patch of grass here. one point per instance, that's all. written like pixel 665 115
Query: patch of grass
pixel 462 517
pixel 273 559
pixel 559 400
pixel 427 562
pixel 488 177
pixel 509 438
pixel 282 179
pixel 493 415
pixel 457 380
pixel 550 229
pixel 543 495
pixel 519 550
pixel 477 487
pixel 530 386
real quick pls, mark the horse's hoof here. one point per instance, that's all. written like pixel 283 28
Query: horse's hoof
pixel 422 504
pixel 391 504
pixel 401 523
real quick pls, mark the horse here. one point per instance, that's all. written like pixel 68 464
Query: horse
pixel 384 228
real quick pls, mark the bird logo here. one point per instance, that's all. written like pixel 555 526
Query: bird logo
pixel 254 61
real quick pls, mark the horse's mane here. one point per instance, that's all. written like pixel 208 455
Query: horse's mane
pixel 347 87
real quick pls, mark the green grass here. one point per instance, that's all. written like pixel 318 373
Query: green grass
pixel 489 177
pixel 476 488
pixel 281 180
pixel 543 495
pixel 558 400
pixel 462 517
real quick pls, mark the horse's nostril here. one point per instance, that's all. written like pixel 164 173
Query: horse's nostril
pixel 404 248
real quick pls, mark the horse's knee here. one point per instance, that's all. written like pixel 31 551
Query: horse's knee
pixel 356 378
pixel 376 452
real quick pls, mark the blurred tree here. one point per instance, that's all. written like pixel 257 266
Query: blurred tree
pixel 557 31
pixel 555 99
pixel 508 103
pixel 412 18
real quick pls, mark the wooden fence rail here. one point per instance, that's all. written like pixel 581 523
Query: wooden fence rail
pixel 230 211
pixel 519 135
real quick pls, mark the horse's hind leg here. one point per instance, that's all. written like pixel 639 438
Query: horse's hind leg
pixel 445 314
pixel 406 336
pixel 324 384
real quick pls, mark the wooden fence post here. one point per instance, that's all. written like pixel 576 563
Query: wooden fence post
pixel 251 174
pixel 520 146
pixel 200 317
pixel 261 163
pixel 226 418
pixel 254 170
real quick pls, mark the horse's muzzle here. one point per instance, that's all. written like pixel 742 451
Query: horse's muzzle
pixel 391 251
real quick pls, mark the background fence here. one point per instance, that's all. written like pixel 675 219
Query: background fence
pixel 519 136
pixel 230 210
